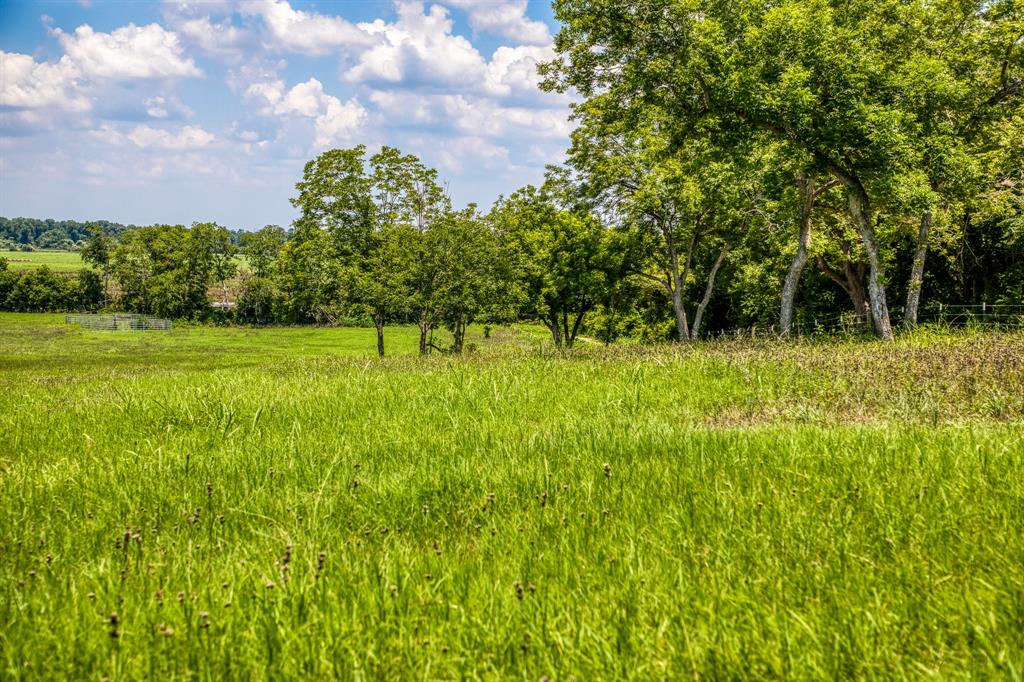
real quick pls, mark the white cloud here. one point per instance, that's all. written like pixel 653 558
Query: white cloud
pixel 28 84
pixel 305 99
pixel 480 153
pixel 338 122
pixel 148 137
pixel 418 49
pixel 126 53
pixel 472 115
pixel 215 38
pixel 333 120
pixel 303 32
pixel 513 71
pixel 405 108
pixel 186 137
pixel 506 19
pixel 90 61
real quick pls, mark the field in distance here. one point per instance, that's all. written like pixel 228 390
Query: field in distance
pixel 243 503
pixel 59 261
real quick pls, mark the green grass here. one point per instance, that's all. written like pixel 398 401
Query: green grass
pixel 65 261
pixel 279 503
pixel 58 261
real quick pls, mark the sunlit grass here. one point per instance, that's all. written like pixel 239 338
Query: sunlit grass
pixel 59 261
pixel 271 503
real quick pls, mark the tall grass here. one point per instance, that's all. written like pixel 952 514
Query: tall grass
pixel 229 503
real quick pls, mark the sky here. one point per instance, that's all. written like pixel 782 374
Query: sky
pixel 177 112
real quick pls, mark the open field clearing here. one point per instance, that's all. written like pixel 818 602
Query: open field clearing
pixel 58 261
pixel 262 503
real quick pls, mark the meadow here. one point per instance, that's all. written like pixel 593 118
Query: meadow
pixel 58 261
pixel 63 261
pixel 263 503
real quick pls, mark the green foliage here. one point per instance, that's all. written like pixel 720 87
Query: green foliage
pixel 166 270
pixel 262 248
pixel 897 101
pixel 562 262
pixel 43 290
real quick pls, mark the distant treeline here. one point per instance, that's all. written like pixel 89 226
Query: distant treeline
pixel 38 233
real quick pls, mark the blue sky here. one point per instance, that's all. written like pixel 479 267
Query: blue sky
pixel 144 112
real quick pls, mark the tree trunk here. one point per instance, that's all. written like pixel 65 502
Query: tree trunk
pixel 859 207
pixel 457 332
pixel 676 284
pixel 424 328
pixel 708 290
pixel 379 323
pixel 917 272
pixel 851 280
pixel 805 184
pixel 576 323
pixel 556 330
pixel 858 293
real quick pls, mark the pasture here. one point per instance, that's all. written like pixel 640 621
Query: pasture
pixel 58 261
pixel 262 503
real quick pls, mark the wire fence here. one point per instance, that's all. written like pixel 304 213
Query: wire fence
pixel 119 322
pixel 1000 316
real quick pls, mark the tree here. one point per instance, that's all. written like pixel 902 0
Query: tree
pixel 808 195
pixel 262 247
pixel 467 285
pixel 558 256
pixel 407 193
pixel 336 197
pixel 97 251
pixel 685 206
pixel 824 76
pixel 166 270
pixel 383 285
pixel 309 277
pixel 211 256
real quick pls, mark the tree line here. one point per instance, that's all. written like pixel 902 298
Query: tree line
pixel 31 234
pixel 864 135
pixel 732 164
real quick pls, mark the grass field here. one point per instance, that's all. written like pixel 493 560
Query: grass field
pixel 62 261
pixel 58 261
pixel 234 503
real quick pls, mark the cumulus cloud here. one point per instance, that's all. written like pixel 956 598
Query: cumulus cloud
pixel 304 32
pixel 110 99
pixel 333 120
pixel 214 37
pixel 512 71
pixel 472 115
pixel 186 137
pixel 90 60
pixel 506 19
pixel 418 49
pixel 28 84
pixel 128 52
pixel 148 137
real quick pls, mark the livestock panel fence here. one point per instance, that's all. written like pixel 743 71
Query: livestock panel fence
pixel 118 321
